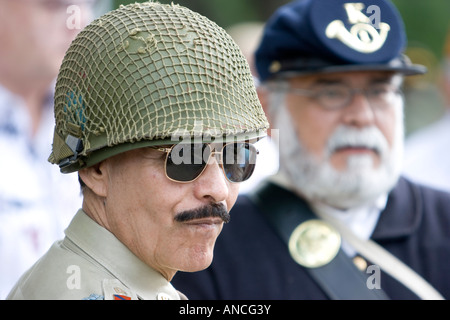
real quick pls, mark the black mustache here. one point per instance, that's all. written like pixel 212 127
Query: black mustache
pixel 214 210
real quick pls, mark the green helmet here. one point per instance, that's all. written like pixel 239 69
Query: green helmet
pixel 144 74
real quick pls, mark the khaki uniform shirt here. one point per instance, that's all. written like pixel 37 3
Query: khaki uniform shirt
pixel 91 263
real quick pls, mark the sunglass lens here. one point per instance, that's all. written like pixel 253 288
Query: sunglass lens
pixel 185 161
pixel 239 161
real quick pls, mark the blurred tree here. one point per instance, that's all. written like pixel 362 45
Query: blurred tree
pixel 426 22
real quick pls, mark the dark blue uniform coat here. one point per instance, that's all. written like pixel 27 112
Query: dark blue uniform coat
pixel 252 262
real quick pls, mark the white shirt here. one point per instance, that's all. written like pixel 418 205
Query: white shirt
pixel 36 200
pixel 427 155
pixel 360 220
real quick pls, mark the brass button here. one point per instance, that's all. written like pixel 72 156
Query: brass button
pixel 360 263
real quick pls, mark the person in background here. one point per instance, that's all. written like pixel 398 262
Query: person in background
pixel 338 221
pixel 35 203
pixel 427 151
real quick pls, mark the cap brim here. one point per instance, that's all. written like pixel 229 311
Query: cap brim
pixel 301 66
pixel 406 71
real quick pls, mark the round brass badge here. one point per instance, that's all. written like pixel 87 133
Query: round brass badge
pixel 314 243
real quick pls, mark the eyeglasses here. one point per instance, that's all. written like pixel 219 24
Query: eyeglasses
pixel 186 162
pixel 332 97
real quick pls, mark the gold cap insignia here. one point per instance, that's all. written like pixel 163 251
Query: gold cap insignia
pixel 363 35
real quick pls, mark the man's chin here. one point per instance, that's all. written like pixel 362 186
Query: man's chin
pixel 196 261
pixel 196 267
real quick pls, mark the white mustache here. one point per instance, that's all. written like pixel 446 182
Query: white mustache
pixel 369 137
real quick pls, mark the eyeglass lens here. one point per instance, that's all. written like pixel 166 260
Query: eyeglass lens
pixel 335 97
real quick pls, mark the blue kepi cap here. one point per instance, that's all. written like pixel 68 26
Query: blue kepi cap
pixel 312 36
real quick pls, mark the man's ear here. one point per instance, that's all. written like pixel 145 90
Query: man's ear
pixel 95 178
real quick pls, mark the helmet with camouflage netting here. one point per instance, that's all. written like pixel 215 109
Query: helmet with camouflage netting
pixel 145 73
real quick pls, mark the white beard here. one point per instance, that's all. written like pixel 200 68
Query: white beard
pixel 360 183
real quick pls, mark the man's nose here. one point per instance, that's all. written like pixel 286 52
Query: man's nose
pixel 359 113
pixel 212 183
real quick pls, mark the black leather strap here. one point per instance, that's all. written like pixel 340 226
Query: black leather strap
pixel 340 279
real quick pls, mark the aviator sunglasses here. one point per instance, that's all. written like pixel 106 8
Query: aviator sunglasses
pixel 185 162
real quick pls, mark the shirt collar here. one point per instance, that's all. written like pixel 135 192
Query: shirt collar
pixel 108 251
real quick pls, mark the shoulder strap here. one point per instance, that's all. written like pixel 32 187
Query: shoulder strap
pixel 340 279
pixel 388 262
